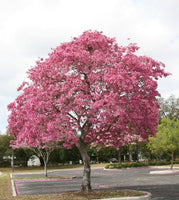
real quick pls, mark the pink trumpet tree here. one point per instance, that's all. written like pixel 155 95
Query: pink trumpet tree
pixel 29 121
pixel 88 90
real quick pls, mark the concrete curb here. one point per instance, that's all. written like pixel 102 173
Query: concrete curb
pixel 147 196
pixel 162 167
pixel 165 172
pixel 14 193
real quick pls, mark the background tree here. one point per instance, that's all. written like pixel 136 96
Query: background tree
pixel 67 155
pixel 106 153
pixel 5 150
pixel 166 139
pixel 142 151
pixel 22 156
pixel 88 90
pixel 29 122
pixel 169 108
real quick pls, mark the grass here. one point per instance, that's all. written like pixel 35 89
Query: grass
pixel 6 188
pixel 5 185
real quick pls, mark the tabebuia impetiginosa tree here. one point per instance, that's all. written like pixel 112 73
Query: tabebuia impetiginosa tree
pixel 28 123
pixel 89 90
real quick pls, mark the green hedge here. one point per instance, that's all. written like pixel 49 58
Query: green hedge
pixel 137 164
pixel 124 165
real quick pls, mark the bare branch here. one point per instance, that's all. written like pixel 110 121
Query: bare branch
pixel 72 116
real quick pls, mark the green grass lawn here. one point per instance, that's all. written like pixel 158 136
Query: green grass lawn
pixel 6 187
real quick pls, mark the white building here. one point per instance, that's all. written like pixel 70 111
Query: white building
pixel 33 161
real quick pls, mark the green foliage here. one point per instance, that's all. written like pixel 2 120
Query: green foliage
pixel 105 153
pixel 167 137
pixel 5 150
pixel 22 155
pixel 125 165
pixel 137 164
pixel 158 163
pixel 64 155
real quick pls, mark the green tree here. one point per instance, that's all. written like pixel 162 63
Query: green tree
pixel 5 150
pixel 106 153
pixel 22 155
pixel 166 139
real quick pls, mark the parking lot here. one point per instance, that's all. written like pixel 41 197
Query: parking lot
pixel 161 185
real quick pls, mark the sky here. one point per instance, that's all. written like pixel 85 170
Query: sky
pixel 30 29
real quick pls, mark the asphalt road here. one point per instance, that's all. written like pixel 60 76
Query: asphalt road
pixel 162 186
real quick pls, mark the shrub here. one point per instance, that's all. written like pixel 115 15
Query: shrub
pixel 159 163
pixel 137 164
pixel 124 165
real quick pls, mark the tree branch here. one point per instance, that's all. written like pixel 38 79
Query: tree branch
pixel 94 139
pixel 72 116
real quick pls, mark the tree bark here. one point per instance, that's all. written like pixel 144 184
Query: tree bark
pixel 119 156
pixel 171 167
pixel 130 154
pixel 86 182
pixel 44 154
pixel 45 169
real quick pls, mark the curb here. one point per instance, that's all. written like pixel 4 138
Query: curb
pixel 165 172
pixel 14 193
pixel 147 196
pixel 163 167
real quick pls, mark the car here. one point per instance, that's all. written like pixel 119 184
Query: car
pixel 113 160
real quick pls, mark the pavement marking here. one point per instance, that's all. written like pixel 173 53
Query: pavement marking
pixel 14 193
pixel 13 188
pixel 163 167
pixel 42 180
pixel 165 172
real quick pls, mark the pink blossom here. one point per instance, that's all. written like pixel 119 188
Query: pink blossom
pixel 90 89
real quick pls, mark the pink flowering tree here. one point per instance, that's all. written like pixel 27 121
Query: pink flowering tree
pixel 125 139
pixel 29 121
pixel 93 91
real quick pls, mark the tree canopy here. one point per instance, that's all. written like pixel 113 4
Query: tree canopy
pixel 89 90
pixel 166 139
pixel 169 108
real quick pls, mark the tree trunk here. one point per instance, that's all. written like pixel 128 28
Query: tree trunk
pixel 45 169
pixel 45 157
pixel 119 156
pixel 171 167
pixel 130 154
pixel 43 154
pixel 86 182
